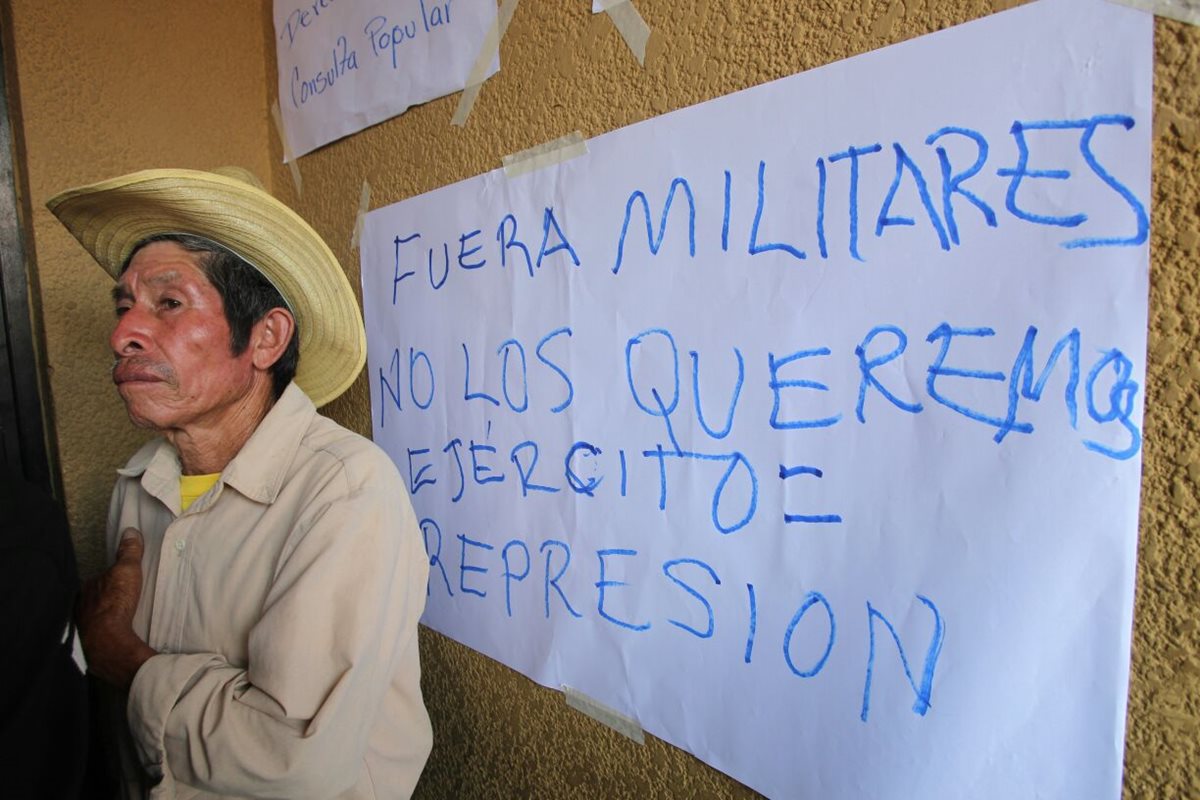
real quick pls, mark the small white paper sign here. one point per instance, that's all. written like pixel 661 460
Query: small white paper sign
pixel 345 65
pixel 803 426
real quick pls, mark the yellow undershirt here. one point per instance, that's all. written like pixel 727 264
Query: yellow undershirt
pixel 192 486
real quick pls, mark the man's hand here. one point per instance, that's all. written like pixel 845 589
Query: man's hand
pixel 114 652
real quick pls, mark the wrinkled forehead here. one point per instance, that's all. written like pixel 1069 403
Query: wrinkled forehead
pixel 222 266
pixel 157 268
pixel 157 264
pixel 199 249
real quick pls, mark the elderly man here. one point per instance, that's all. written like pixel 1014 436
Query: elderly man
pixel 261 612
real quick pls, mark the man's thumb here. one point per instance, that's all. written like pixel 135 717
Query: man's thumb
pixel 130 548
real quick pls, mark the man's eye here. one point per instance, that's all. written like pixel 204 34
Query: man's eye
pixel 169 302
pixel 120 310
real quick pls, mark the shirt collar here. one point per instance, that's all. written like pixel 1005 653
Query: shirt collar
pixel 261 466
pixel 157 464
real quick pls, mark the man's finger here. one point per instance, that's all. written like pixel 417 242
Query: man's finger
pixel 130 547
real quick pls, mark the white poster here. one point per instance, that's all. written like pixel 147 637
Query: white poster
pixel 803 426
pixel 345 65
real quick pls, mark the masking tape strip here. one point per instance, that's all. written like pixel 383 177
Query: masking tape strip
pixel 603 714
pixel 633 28
pixel 1182 10
pixel 545 154
pixel 364 203
pixel 600 6
pixel 277 115
pixel 489 51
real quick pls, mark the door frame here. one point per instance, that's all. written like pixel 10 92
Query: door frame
pixel 27 443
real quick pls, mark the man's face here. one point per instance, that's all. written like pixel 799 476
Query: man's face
pixel 174 367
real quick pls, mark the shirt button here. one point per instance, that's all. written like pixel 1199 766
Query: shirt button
pixel 179 545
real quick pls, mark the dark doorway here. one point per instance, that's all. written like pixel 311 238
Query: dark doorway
pixel 25 450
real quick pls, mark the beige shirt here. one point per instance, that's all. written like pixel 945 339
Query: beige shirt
pixel 283 604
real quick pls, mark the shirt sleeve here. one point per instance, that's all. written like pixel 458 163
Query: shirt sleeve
pixel 339 615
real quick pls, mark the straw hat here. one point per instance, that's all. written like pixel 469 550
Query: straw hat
pixel 229 207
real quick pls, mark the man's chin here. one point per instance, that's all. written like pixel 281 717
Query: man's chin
pixel 143 422
pixel 142 414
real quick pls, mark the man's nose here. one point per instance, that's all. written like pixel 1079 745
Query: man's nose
pixel 131 334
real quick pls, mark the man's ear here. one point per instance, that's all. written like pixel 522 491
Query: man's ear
pixel 270 336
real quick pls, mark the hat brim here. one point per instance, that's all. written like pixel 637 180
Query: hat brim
pixel 111 217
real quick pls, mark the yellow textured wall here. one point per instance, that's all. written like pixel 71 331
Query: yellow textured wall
pixel 1163 738
pixel 108 87
pixel 496 733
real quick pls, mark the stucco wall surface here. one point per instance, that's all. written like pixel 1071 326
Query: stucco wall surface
pixel 107 88
pixel 1162 757
pixel 98 101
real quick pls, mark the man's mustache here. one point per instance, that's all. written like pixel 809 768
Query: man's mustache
pixel 139 368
